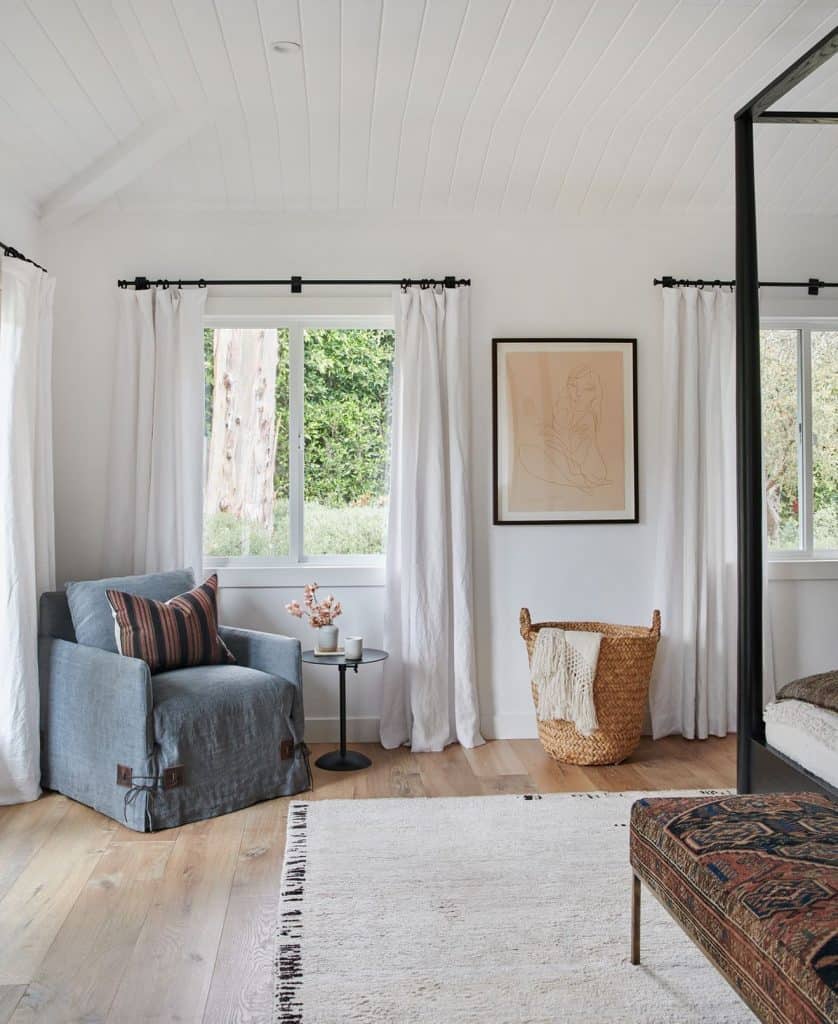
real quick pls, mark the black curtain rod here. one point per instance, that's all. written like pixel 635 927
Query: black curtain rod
pixel 9 250
pixel 294 283
pixel 813 285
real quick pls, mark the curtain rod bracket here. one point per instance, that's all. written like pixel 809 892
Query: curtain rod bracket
pixel 141 284
pixel 296 285
pixel 814 286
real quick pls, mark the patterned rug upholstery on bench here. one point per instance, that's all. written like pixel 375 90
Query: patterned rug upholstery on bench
pixel 753 880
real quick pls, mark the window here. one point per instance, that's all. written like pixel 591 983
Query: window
pixel 800 436
pixel 297 441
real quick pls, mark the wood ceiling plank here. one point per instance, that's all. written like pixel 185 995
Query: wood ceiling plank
pixel 44 65
pixel 623 55
pixel 321 29
pixel 440 41
pixel 249 57
pixel 147 93
pixel 34 163
pixel 508 59
pixel 675 28
pixel 480 33
pixel 401 29
pixel 555 38
pixel 33 107
pixel 280 21
pixel 642 129
pixel 360 37
pixel 204 39
pixel 712 148
pixel 703 124
pixel 589 38
pixel 69 33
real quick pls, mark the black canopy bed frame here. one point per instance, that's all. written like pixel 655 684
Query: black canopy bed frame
pixel 760 768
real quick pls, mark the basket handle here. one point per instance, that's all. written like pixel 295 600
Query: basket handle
pixel 525 621
pixel 655 630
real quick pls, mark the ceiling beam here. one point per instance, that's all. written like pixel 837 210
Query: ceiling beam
pixel 792 76
pixel 121 165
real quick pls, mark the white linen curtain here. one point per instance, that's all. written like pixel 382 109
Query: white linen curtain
pixel 429 696
pixel 27 535
pixel 694 687
pixel 694 684
pixel 155 472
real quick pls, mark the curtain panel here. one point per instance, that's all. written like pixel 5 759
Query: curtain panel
pixel 155 469
pixel 27 533
pixel 429 697
pixel 694 686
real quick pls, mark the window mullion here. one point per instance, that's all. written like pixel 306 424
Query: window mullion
pixel 807 489
pixel 296 446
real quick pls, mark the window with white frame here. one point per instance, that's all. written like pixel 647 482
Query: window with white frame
pixel 799 366
pixel 297 428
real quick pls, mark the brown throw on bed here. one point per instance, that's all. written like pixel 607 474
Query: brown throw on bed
pixel 821 689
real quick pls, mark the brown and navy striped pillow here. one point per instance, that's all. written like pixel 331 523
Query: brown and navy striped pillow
pixel 170 634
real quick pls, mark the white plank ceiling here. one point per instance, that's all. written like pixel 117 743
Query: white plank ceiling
pixel 518 106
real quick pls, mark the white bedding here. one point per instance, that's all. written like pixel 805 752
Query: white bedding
pixel 806 734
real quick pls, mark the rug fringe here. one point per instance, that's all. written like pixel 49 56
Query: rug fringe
pixel 288 1005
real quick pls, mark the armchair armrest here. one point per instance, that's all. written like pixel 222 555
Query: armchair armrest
pixel 96 712
pixel 267 652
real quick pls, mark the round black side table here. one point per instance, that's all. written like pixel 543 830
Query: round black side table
pixel 343 760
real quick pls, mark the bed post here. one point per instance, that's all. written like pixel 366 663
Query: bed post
pixel 748 452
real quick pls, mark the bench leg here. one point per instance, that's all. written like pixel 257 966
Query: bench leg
pixel 635 920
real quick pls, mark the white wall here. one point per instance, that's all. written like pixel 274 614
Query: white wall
pixel 19 226
pixel 530 278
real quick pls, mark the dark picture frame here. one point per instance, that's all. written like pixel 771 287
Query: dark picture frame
pixel 501 433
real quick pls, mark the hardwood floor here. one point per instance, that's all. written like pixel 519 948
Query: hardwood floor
pixel 99 923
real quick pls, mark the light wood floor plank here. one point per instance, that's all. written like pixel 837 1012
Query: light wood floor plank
pixel 9 998
pixel 170 970
pixel 37 904
pixel 242 982
pixel 23 831
pixel 79 975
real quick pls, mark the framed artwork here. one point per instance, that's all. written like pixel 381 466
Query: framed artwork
pixel 565 430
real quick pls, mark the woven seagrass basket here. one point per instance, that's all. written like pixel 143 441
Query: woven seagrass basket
pixel 621 685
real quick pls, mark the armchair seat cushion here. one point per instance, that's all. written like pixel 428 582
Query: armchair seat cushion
pixel 232 729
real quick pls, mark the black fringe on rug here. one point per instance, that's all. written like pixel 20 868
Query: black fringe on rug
pixel 288 965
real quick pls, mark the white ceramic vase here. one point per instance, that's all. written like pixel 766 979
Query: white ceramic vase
pixel 327 638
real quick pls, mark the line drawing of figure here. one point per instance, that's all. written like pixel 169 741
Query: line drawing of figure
pixel 569 453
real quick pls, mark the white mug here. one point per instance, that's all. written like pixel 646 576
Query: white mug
pixel 353 647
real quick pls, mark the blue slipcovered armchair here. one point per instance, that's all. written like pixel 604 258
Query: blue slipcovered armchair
pixel 156 751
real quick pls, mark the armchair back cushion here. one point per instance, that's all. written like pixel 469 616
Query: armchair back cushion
pixel 91 613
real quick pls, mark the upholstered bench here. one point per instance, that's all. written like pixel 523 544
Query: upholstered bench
pixel 753 880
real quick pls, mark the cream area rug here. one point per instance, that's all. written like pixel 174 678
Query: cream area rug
pixel 480 910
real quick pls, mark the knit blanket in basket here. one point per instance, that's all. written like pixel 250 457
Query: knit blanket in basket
pixel 563 670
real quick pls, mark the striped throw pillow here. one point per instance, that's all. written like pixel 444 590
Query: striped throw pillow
pixel 170 634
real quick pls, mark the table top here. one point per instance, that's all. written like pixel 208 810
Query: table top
pixel 370 655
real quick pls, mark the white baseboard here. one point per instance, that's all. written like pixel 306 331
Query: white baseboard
pixel 511 727
pixel 327 730
pixel 365 730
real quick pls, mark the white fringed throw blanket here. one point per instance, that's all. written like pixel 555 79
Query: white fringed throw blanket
pixel 563 669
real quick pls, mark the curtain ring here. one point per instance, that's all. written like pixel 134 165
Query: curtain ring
pixel 202 283
pixel 405 284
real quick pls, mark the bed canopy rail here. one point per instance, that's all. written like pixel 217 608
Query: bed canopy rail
pixel 758 767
